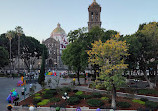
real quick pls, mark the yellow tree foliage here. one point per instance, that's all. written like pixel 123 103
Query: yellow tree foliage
pixel 110 57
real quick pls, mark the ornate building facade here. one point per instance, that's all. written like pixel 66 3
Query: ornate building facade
pixel 55 44
pixel 94 15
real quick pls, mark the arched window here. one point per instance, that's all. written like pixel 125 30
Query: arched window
pixel 92 16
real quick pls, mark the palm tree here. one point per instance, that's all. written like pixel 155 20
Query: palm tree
pixel 19 32
pixel 10 35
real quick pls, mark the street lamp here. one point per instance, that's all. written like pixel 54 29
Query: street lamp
pixel 65 96
pixel 19 32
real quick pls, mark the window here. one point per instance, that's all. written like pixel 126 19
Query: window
pixel 92 15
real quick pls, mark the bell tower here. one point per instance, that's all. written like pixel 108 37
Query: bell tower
pixel 94 15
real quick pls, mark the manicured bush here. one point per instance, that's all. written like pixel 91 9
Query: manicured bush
pixel 109 101
pixel 43 102
pixel 104 98
pixel 97 95
pixel 47 96
pixel 54 99
pixel 144 99
pixel 37 94
pixel 73 100
pixel 79 93
pixel 95 102
pixel 51 91
pixel 43 92
pixel 151 104
pixel 37 99
pixel 147 91
pixel 75 90
pixel 85 96
pixel 123 104
pixel 138 101
pixel 66 89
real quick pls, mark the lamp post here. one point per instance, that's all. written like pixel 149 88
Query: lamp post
pixel 19 32
pixel 65 96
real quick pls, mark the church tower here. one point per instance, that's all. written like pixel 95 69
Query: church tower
pixel 94 15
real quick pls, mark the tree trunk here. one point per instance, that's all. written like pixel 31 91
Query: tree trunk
pixel 156 76
pixel 150 84
pixel 84 77
pixel 78 77
pixel 113 104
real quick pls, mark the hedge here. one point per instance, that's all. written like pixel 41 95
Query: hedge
pixel 95 102
pixel 43 102
pixel 73 100
pixel 123 104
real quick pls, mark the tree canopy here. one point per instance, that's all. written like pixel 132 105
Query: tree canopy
pixel 110 57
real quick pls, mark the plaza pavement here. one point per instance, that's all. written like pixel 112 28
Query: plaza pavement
pixel 7 84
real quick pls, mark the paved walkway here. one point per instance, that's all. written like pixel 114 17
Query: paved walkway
pixel 150 98
pixel 84 88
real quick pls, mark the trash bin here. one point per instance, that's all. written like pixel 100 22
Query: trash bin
pixel 16 103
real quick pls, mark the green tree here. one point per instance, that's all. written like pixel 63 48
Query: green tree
pixel 30 48
pixel 110 57
pixel 147 36
pixel 74 57
pixel 41 77
pixel 10 35
pixel 134 47
pixel 4 60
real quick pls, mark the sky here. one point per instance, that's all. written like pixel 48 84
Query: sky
pixel 39 18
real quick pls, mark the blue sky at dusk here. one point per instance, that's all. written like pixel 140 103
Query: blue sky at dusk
pixel 38 18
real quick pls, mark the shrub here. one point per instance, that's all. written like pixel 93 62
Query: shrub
pixel 144 99
pixel 123 104
pixel 85 96
pixel 97 95
pixel 43 102
pixel 104 98
pixel 75 90
pixel 79 93
pixel 95 102
pixel 151 104
pixel 147 91
pixel 109 101
pixel 37 94
pixel 43 92
pixel 51 91
pixel 66 89
pixel 73 100
pixel 47 96
pixel 37 99
pixel 138 101
pixel 55 99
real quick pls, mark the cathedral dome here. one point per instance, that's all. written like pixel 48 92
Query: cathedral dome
pixel 57 30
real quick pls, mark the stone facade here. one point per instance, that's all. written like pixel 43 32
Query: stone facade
pixel 53 53
pixel 55 44
pixel 94 15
